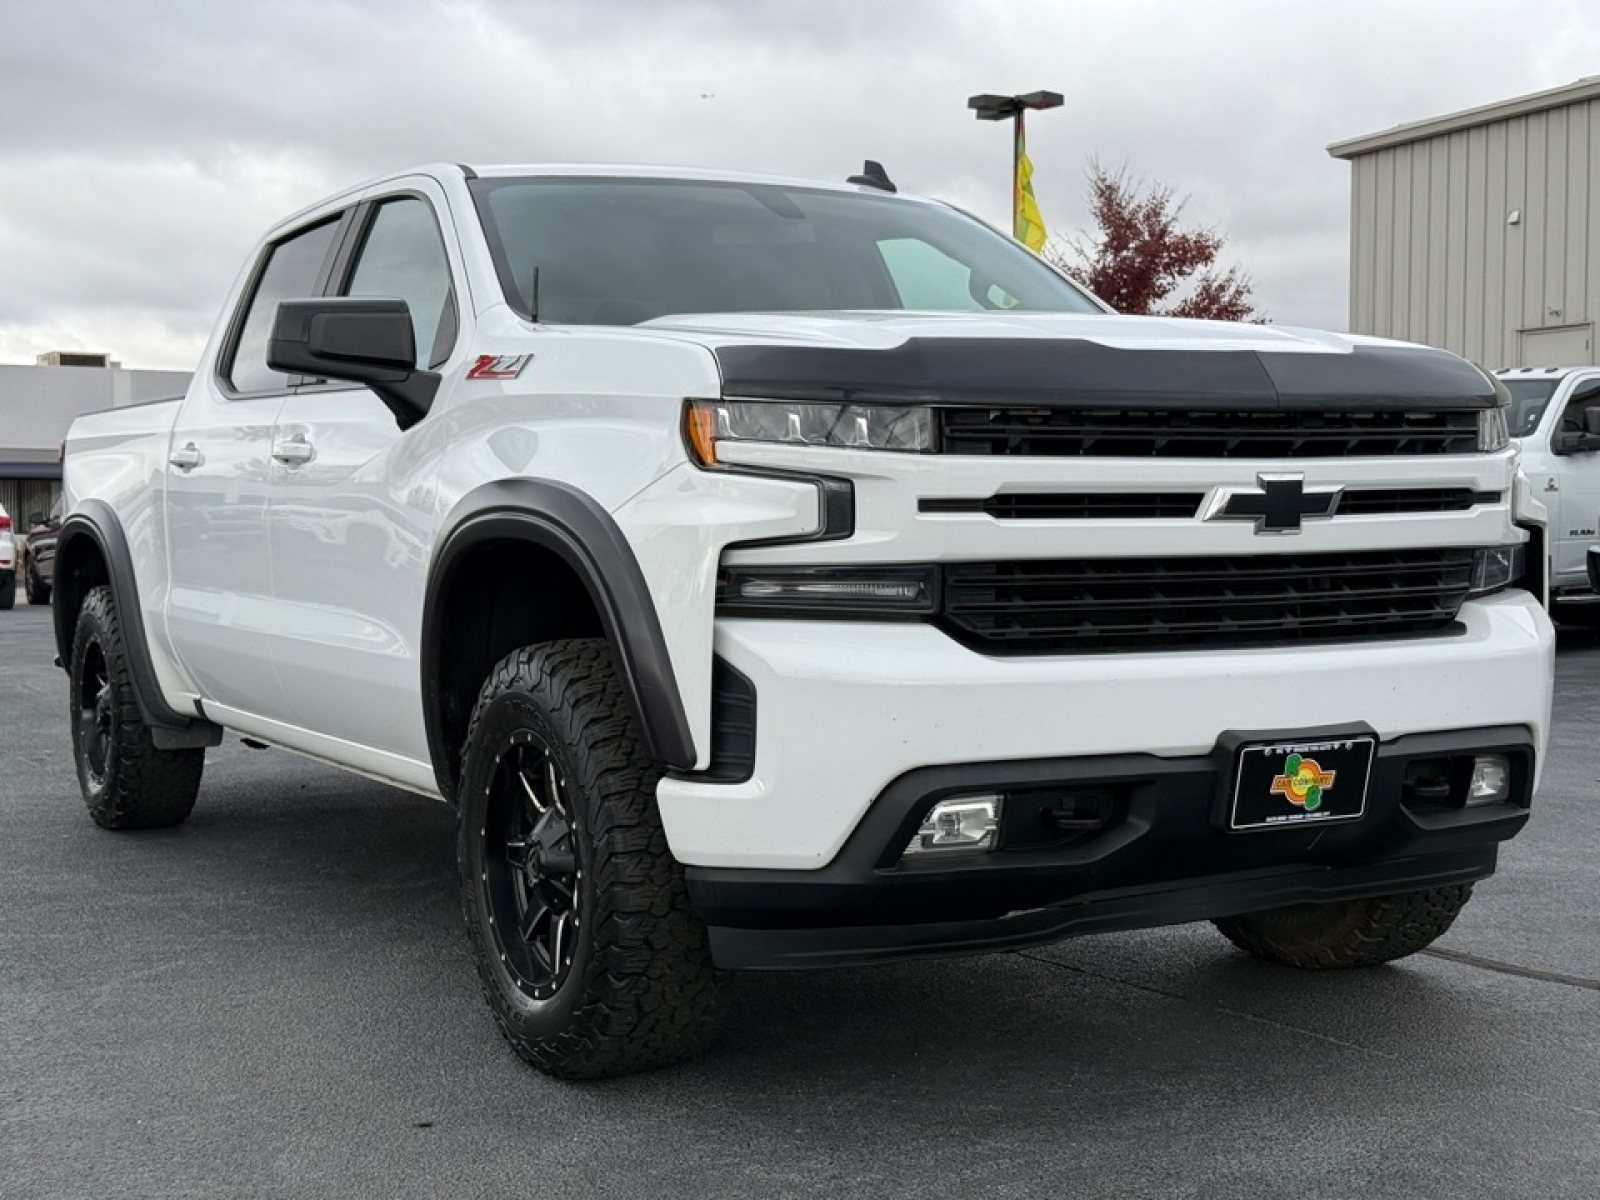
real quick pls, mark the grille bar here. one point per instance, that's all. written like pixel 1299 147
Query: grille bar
pixel 1220 434
pixel 1131 604
pixel 1056 506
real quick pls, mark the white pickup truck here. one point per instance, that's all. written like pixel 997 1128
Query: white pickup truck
pixel 1554 419
pixel 778 574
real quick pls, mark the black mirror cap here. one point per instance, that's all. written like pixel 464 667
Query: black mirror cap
pixel 1594 568
pixel 361 340
pixel 357 339
pixel 1567 441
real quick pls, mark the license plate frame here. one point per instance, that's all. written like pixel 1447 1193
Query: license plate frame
pixel 1300 782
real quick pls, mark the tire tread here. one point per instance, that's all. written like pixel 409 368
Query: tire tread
pixel 652 996
pixel 145 787
pixel 1348 933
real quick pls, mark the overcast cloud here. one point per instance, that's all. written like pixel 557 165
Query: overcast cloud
pixel 147 143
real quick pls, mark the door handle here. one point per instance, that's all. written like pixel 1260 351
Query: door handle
pixel 186 458
pixel 293 451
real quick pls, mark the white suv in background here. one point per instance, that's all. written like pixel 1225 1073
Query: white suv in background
pixel 8 562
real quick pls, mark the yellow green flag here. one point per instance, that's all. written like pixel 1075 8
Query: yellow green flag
pixel 1027 226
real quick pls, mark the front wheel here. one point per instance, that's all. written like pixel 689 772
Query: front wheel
pixel 589 955
pixel 127 782
pixel 1581 614
pixel 1348 933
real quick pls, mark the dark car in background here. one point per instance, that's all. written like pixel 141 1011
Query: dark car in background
pixel 38 557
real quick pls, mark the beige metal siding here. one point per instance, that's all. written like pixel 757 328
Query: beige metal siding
pixel 1432 257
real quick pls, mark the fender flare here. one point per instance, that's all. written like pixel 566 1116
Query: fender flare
pixel 95 521
pixel 573 526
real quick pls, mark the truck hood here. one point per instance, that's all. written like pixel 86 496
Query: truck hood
pixel 1070 360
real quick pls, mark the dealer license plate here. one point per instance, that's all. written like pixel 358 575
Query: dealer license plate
pixel 1284 784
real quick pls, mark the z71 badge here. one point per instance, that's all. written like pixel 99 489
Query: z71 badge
pixel 498 366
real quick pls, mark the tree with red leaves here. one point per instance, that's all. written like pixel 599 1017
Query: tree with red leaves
pixel 1143 261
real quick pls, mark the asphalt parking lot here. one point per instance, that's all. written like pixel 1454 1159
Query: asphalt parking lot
pixel 276 1000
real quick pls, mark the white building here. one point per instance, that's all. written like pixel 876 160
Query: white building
pixel 1479 231
pixel 38 403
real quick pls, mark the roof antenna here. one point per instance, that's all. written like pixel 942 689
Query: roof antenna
pixel 874 176
pixel 533 297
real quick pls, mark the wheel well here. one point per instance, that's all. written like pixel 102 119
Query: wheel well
pixel 80 568
pixel 501 595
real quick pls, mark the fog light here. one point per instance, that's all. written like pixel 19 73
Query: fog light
pixel 1491 780
pixel 962 823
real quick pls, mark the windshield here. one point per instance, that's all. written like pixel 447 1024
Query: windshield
pixel 620 251
pixel 1528 400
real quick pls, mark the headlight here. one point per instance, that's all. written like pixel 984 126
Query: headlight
pixel 1495 567
pixel 857 426
pixel 1492 433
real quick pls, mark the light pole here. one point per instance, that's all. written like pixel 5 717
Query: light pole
pixel 1026 225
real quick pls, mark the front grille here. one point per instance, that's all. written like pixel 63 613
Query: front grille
pixel 1040 607
pixel 1369 501
pixel 1057 506
pixel 1136 434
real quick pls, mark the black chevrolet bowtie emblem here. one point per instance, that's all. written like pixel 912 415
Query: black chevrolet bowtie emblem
pixel 1282 503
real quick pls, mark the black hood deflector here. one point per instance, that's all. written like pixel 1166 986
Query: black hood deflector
pixel 1076 374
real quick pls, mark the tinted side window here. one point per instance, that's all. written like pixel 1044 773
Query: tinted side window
pixel 1572 417
pixel 403 257
pixel 292 271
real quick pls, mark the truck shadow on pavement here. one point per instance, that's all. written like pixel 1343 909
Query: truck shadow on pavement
pixel 329 862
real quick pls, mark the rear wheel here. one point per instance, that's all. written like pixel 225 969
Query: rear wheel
pixel 8 592
pixel 590 957
pixel 127 782
pixel 1348 933
pixel 38 590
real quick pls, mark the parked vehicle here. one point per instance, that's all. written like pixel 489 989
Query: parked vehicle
pixel 781 575
pixel 39 553
pixel 1555 419
pixel 8 562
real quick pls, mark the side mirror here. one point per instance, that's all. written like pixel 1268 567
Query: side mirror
pixel 1594 568
pixel 359 340
pixel 1591 419
pixel 35 519
pixel 1568 442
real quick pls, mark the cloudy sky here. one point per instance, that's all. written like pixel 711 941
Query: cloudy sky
pixel 146 143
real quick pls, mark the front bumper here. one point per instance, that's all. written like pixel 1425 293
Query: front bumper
pixel 844 709
pixel 1162 855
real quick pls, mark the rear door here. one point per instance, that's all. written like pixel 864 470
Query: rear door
pixel 350 503
pixel 219 611
pixel 1576 519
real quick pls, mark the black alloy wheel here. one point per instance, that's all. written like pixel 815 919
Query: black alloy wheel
pixel 128 782
pixel 96 716
pixel 533 867
pixel 592 960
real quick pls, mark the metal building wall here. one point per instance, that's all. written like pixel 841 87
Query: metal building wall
pixel 1434 259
